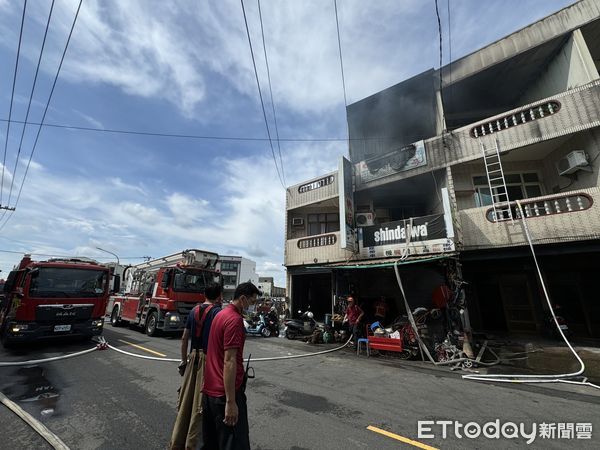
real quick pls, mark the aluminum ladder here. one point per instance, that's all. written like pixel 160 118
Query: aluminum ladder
pixel 496 182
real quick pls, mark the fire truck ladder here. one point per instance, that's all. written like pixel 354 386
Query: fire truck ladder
pixel 496 182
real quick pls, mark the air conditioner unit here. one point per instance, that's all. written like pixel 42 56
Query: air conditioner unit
pixel 573 162
pixel 297 221
pixel 365 219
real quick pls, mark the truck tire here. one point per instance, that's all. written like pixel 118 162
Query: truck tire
pixel 152 324
pixel 115 321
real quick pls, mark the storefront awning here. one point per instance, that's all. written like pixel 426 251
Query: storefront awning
pixel 385 262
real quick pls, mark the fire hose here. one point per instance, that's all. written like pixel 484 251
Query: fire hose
pixel 561 378
pixel 53 439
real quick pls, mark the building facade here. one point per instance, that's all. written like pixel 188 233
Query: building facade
pixel 437 165
pixel 268 288
pixel 236 270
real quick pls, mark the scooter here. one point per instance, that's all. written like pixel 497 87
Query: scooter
pixel 304 326
pixel 550 326
pixel 257 326
pixel 272 323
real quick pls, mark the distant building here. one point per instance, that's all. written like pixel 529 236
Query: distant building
pixel 268 288
pixel 236 270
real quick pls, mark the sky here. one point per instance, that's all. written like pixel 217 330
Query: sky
pixel 184 67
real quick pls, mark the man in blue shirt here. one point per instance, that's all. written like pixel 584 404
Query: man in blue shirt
pixel 188 425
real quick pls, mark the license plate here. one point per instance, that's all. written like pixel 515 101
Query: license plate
pixel 564 327
pixel 62 327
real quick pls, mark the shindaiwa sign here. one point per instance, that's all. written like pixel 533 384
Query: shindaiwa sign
pixel 419 235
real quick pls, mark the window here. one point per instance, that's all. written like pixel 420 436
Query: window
pixel 189 281
pixel 229 266
pixel 518 186
pixel 323 223
pixel 229 280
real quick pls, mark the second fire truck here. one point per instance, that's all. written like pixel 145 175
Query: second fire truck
pixel 159 294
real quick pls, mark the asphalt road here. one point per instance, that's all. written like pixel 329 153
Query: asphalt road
pixel 107 400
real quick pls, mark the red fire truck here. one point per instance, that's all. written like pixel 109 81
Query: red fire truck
pixel 160 294
pixel 58 297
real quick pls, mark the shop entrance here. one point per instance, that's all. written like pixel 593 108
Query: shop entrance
pixel 312 291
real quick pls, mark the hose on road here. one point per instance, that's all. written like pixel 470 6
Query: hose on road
pixel 38 426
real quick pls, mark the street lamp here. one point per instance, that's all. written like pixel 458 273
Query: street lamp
pixel 110 253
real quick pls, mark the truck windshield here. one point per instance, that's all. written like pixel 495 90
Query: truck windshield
pixel 189 282
pixel 57 282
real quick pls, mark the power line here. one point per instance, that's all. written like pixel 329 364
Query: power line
pixel 337 25
pixel 37 69
pixel 12 95
pixel 196 136
pixel 67 256
pixel 44 115
pixel 262 103
pixel 437 13
pixel 262 32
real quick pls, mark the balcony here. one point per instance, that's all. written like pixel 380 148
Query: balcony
pixel 318 249
pixel 570 216
pixel 313 191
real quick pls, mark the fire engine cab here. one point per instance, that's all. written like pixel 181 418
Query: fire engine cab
pixel 53 298
pixel 159 294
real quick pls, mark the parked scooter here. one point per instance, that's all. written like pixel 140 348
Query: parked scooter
pixel 257 326
pixel 550 326
pixel 304 326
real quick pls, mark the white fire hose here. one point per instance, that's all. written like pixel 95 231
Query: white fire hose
pixel 561 378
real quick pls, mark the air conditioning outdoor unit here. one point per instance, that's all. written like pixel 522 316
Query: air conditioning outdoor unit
pixel 298 221
pixel 365 219
pixel 573 162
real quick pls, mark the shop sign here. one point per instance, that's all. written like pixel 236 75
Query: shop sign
pixel 425 234
pixel 400 160
pixel 346 205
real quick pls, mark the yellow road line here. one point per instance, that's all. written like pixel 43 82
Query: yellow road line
pixel 143 348
pixel 401 438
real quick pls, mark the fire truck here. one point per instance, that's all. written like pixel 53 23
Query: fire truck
pixel 159 294
pixel 57 297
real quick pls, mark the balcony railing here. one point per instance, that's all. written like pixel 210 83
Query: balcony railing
pixel 318 249
pixel 545 206
pixel 566 217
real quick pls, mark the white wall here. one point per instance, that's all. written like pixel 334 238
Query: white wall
pixel 589 141
pixel 266 287
pixel 248 271
pixel 573 66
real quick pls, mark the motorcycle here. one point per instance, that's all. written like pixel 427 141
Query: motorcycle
pixel 257 326
pixel 272 323
pixel 304 326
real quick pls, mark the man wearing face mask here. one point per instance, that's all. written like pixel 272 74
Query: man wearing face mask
pixel 225 422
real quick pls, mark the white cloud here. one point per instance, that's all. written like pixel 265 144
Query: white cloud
pixel 89 119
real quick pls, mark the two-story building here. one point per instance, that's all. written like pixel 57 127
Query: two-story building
pixel 437 163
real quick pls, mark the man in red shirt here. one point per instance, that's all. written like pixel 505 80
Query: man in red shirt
pixel 354 315
pixel 225 423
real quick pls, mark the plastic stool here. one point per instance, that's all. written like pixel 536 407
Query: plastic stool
pixel 358 346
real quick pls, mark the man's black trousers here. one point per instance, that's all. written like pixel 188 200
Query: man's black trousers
pixel 218 436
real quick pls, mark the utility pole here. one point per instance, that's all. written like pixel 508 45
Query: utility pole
pixel 110 253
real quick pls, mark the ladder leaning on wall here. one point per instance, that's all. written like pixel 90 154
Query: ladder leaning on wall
pixel 496 182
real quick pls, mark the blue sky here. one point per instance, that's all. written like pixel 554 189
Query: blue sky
pixel 184 67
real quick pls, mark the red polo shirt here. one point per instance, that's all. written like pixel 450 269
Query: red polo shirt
pixel 227 331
